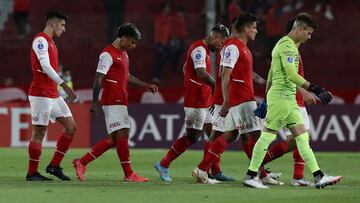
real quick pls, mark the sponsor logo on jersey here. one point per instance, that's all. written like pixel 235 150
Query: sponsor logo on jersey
pixel 115 124
pixel 243 126
pixel 198 63
pixel 290 59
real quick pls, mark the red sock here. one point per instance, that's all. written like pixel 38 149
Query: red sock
pixel 215 166
pixel 214 153
pixel 263 172
pixel 97 151
pixel 207 146
pixel 62 146
pixel 249 146
pixel 122 149
pixel 179 147
pixel 299 165
pixel 275 152
pixel 34 151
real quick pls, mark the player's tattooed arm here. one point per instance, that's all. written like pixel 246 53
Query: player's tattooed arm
pixel 309 99
pixel 96 91
pixel 268 82
pixel 258 79
pixel 225 86
pixel 138 83
pixel 205 76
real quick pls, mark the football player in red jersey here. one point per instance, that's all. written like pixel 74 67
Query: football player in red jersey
pixel 45 102
pixel 238 93
pixel 112 75
pixel 198 94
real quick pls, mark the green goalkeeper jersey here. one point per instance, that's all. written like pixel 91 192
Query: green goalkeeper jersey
pixel 283 72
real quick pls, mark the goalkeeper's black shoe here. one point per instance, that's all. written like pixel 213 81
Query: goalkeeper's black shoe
pixel 57 171
pixel 37 177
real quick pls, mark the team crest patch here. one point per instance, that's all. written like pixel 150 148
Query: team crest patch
pixel 40 46
pixel 198 55
pixel 290 59
pixel 227 54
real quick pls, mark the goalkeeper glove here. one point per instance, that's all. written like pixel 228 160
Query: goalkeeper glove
pixel 261 110
pixel 324 95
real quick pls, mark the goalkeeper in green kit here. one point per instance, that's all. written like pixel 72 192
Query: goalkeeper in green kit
pixel 282 109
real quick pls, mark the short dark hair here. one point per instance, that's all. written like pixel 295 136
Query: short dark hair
pixel 222 29
pixel 244 20
pixel 307 19
pixel 129 30
pixel 55 14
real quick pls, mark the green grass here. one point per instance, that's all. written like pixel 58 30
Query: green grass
pixel 104 180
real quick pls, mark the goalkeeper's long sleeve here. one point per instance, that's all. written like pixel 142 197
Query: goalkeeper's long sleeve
pixel 294 76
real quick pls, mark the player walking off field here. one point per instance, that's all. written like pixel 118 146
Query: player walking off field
pixel 112 75
pixel 218 122
pixel 302 97
pixel 198 95
pixel 238 95
pixel 282 110
pixel 45 102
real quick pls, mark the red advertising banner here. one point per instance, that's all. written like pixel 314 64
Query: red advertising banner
pixel 15 126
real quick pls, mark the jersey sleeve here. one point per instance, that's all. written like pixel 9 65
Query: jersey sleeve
pixel 198 56
pixel 287 55
pixel 40 47
pixel 105 62
pixel 230 56
pixel 221 55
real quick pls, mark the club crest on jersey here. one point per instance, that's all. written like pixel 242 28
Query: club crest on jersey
pixel 40 46
pixel 198 55
pixel 227 54
pixel 290 59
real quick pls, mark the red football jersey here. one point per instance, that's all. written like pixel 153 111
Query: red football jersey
pixel 42 85
pixel 218 97
pixel 197 93
pixel 299 98
pixel 239 57
pixel 114 64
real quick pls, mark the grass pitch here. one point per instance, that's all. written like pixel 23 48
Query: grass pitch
pixel 104 180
